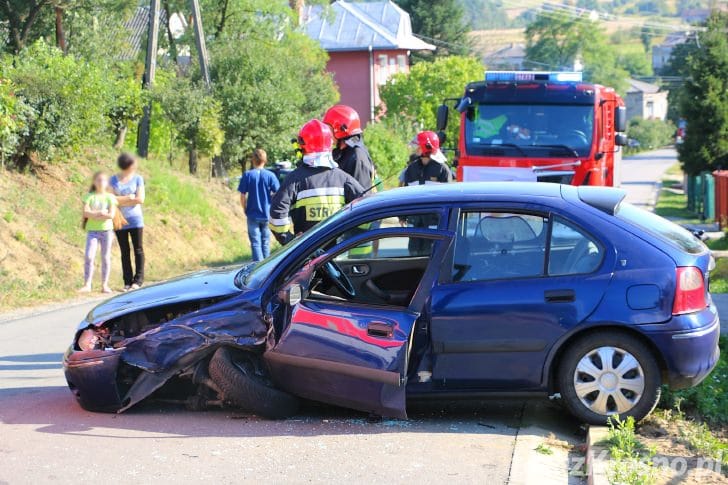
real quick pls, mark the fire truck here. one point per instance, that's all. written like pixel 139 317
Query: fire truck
pixel 538 126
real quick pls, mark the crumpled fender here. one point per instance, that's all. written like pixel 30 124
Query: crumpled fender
pixel 180 343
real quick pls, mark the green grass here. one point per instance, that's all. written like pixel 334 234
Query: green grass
pixel 672 204
pixel 719 276
pixel 544 449
pixel 631 460
pixel 718 244
pixel 191 223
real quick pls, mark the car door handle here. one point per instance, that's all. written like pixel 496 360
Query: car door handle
pixel 380 329
pixel 559 296
pixel 359 269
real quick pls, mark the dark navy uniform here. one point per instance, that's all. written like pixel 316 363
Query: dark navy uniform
pixel 418 173
pixel 355 160
pixel 309 195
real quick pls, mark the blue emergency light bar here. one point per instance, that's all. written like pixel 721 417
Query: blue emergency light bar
pixel 516 76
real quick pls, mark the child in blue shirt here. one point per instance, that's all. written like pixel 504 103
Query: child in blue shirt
pixel 256 188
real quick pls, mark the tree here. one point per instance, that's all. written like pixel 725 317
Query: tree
pixel 416 96
pixel 267 89
pixel 441 23
pixel 14 117
pixel 126 105
pixel 196 117
pixel 555 41
pixel 67 96
pixel 636 63
pixel 64 21
pixel 20 17
pixel 704 100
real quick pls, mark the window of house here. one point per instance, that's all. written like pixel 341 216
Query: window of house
pixel 402 62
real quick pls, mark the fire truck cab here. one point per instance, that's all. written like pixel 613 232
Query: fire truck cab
pixel 538 126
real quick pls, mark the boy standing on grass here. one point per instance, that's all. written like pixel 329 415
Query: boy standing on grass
pixel 256 188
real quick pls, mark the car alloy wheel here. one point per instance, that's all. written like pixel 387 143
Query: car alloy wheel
pixel 609 380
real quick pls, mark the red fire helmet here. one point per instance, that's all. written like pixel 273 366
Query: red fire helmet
pixel 343 120
pixel 315 137
pixel 428 142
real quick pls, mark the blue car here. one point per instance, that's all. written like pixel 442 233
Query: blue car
pixel 436 291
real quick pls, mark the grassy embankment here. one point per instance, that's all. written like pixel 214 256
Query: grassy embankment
pixel 190 223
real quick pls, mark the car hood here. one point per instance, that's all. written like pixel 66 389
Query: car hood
pixel 195 286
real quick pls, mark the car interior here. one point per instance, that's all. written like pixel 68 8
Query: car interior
pixel 386 271
pixel 495 245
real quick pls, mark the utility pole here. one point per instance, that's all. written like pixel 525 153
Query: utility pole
pixel 200 42
pixel 149 71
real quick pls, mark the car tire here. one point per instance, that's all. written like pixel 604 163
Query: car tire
pixel 593 392
pixel 242 386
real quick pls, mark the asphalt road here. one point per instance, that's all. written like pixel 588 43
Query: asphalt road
pixel 642 174
pixel 46 437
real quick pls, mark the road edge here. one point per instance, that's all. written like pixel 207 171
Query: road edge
pixel 596 464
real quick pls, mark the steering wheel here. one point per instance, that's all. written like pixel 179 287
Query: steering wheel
pixel 579 134
pixel 338 278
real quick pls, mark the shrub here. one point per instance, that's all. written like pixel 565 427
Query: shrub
pixel 14 117
pixel 651 133
pixel 387 143
pixel 68 98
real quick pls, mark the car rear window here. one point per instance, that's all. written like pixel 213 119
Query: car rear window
pixel 661 227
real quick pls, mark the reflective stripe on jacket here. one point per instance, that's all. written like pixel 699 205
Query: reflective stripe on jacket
pixel 309 195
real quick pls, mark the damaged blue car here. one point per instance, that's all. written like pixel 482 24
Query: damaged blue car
pixel 437 291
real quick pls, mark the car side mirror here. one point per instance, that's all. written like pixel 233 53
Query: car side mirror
pixel 620 139
pixel 620 119
pixel 443 112
pixel 294 295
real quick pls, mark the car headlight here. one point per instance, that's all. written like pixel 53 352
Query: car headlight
pixel 89 340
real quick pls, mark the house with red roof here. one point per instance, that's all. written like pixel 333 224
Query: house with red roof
pixel 367 43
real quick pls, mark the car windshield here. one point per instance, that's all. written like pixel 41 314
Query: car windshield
pixel 661 227
pixel 528 130
pixel 253 275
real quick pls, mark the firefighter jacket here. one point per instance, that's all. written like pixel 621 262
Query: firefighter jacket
pixel 309 195
pixel 418 173
pixel 355 160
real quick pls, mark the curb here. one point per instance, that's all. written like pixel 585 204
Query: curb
pixel 542 426
pixel 596 466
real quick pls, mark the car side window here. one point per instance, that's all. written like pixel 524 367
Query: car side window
pixel 498 245
pixel 397 247
pixel 572 251
pixel 388 274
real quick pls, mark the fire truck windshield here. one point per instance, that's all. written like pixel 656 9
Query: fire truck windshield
pixel 533 130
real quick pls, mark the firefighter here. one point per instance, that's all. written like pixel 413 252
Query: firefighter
pixel 429 166
pixel 350 152
pixel 314 190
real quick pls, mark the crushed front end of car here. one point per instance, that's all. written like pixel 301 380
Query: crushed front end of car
pixel 159 347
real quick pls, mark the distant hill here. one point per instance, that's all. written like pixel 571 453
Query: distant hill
pixel 499 14
pixel 498 23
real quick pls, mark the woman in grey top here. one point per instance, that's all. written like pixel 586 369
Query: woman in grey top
pixel 128 186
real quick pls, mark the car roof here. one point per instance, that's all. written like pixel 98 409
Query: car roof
pixel 460 192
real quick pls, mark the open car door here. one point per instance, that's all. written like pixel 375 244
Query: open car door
pixel 348 351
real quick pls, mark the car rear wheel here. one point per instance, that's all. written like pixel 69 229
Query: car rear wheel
pixel 242 384
pixel 609 374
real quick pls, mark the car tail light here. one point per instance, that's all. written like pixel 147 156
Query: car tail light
pixel 689 291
